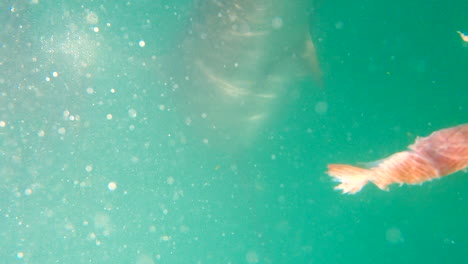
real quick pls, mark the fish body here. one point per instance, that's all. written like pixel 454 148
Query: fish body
pixel 439 154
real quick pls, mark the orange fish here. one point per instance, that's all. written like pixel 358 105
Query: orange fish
pixel 441 153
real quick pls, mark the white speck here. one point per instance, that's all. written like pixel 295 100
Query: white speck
pixel 92 236
pixel 41 133
pixel 205 140
pixel 204 115
pixel 165 238
pixel 112 186
pixel 89 90
pixel 55 74
pixel 47 79
pixel 28 191
pixel 449 241
pixel 170 180
pixel 62 131
pixel 2 123
pixel 162 107
pixel 131 127
pixel 89 168
pixel 132 113
pixel 112 90
pixel 277 23
pixel 141 43
pixel 20 255
pixel 69 226
pixel 109 116
pixel 96 29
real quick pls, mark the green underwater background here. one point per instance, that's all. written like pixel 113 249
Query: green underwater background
pixel 98 165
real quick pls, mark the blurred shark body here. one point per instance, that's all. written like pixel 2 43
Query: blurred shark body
pixel 236 64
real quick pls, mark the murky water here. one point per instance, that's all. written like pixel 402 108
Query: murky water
pixel 124 138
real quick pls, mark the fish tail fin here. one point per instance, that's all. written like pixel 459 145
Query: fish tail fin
pixel 351 178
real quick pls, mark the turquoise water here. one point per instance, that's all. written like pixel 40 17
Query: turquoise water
pixel 99 162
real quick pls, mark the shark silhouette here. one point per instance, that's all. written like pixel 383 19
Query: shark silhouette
pixel 232 70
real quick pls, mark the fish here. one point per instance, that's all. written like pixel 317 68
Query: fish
pixel 234 69
pixel 463 36
pixel 442 153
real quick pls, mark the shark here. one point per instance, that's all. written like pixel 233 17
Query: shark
pixel 233 69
